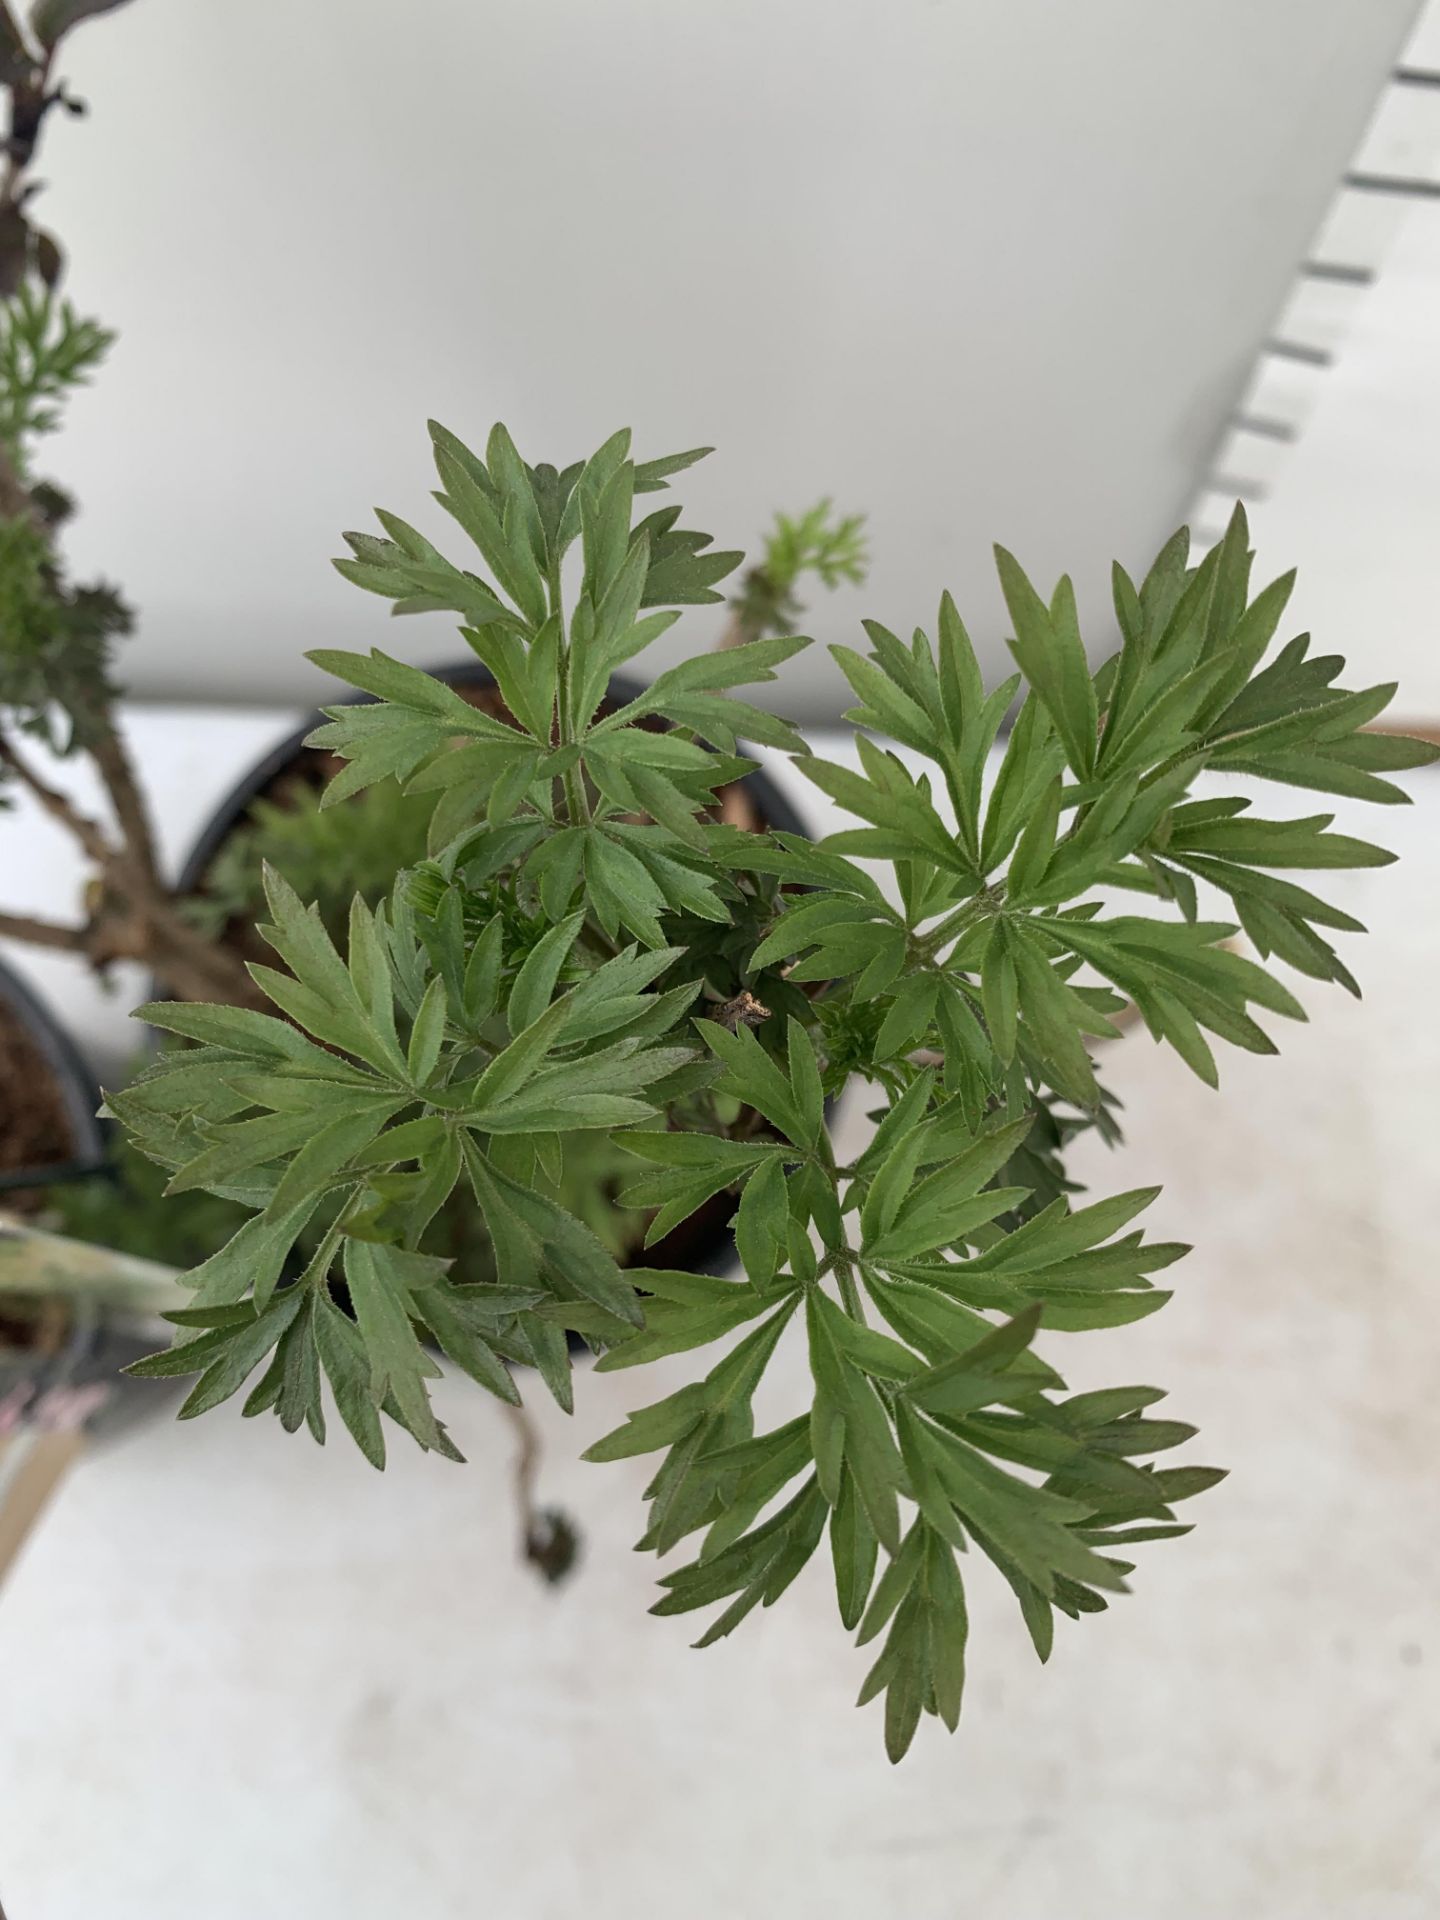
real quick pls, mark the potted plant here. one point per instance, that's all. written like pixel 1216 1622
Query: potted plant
pixel 587 951
pixel 50 631
pixel 277 814
pixel 274 814
pixel 195 934
pixel 274 817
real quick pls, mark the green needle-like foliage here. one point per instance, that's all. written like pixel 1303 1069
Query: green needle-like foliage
pixel 56 638
pixel 585 949
pixel 818 542
pixel 46 351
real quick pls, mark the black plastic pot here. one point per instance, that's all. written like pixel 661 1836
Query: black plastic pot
pixel 702 1244
pixel 78 1090
pixel 770 802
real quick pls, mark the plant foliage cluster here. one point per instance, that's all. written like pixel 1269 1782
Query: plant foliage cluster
pixel 56 635
pixel 586 950
pixel 330 854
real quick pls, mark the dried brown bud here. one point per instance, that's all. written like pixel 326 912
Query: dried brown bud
pixel 743 1011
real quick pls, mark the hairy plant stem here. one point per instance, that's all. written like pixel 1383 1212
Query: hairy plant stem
pixel 572 781
pixel 983 904
pixel 317 1269
pixel 849 1287
pixel 58 805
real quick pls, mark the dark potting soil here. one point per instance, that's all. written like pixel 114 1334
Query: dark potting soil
pixel 35 1129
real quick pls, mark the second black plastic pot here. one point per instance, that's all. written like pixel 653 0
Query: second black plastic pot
pixel 291 755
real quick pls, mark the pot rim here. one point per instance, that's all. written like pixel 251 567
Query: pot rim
pixel 779 812
pixel 79 1088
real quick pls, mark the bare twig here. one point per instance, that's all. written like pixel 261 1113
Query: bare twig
pixel 31 99
pixel 112 757
pixel 193 966
pixel 548 1539
pixel 734 633
pixel 1419 730
pixel 57 805
pixel 135 917
pixel 192 963
pixel 43 933
pixel 185 961
pixel 527 1466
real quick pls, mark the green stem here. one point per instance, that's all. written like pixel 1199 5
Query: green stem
pixel 839 1259
pixel 575 801
pixel 572 781
pixel 317 1273
pixel 960 921
pixel 849 1288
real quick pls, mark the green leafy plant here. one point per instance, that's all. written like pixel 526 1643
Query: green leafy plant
pixel 586 951
pixel 329 855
